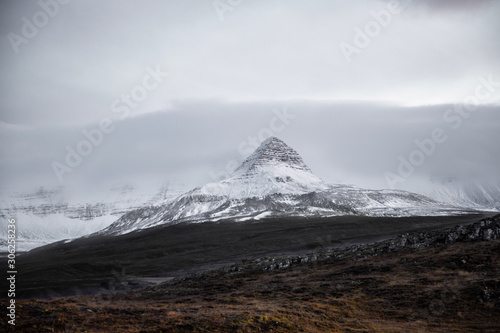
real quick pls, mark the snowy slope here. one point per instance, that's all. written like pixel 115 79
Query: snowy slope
pixel 273 168
pixel 471 194
pixel 37 230
pixel 51 214
pixel 275 181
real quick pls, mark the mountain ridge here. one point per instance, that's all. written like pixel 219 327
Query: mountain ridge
pixel 275 181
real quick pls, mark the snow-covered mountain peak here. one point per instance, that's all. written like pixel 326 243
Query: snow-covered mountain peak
pixel 275 181
pixel 272 168
pixel 272 152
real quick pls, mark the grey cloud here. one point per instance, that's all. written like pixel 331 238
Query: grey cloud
pixel 92 52
pixel 226 77
pixel 454 5
pixel 342 143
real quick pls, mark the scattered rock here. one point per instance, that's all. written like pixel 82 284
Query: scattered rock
pixel 485 230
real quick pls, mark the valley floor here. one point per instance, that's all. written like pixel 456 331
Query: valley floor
pixel 443 288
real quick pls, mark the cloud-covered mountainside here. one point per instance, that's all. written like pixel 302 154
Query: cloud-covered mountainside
pixel 50 214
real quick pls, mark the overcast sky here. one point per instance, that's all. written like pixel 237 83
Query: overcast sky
pixel 180 85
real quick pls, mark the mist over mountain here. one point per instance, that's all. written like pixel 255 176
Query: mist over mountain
pixel 345 143
pixel 51 214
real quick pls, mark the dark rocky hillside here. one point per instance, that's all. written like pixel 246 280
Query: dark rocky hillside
pixel 109 263
pixel 428 281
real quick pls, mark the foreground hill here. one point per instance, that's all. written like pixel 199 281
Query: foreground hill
pixel 434 281
pixel 106 263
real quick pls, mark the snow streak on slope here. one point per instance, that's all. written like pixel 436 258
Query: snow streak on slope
pixel 275 181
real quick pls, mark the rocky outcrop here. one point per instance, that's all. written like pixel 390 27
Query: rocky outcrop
pixel 485 230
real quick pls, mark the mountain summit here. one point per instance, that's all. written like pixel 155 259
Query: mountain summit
pixel 273 152
pixel 272 168
pixel 274 181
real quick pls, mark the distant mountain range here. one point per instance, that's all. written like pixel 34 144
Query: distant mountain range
pixel 51 214
pixel 470 194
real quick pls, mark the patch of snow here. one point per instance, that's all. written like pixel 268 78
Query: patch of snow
pixel 262 215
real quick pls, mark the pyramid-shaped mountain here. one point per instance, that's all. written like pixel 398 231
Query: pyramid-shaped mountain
pixel 273 168
pixel 272 153
pixel 274 181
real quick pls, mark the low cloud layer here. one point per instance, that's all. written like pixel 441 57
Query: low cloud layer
pixel 201 142
pixel 181 86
